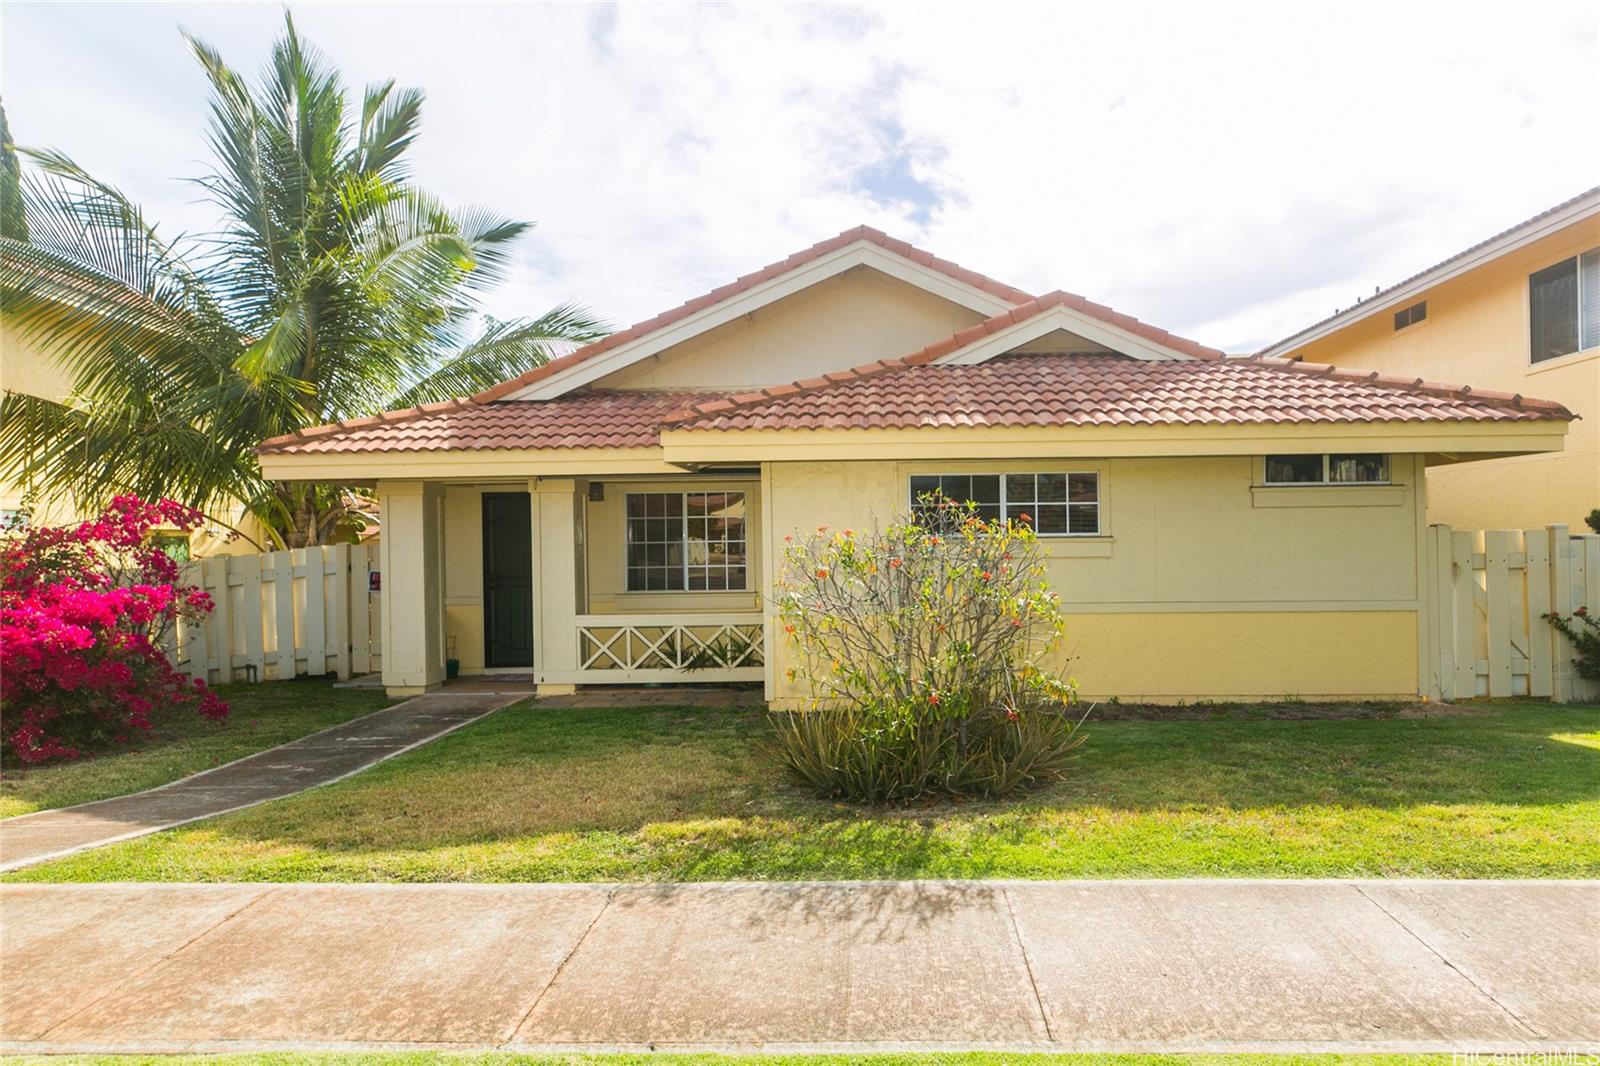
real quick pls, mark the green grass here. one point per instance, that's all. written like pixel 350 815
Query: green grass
pixel 183 743
pixel 938 1058
pixel 684 795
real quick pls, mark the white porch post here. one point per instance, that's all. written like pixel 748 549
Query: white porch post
pixel 413 592
pixel 558 581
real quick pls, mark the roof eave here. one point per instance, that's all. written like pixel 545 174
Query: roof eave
pixel 692 446
pixel 1583 206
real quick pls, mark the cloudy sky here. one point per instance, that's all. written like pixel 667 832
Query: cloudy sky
pixel 1227 171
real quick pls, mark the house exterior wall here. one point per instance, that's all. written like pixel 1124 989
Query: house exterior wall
pixel 1206 585
pixel 855 318
pixel 27 369
pixel 606 551
pixel 1477 331
pixel 594 554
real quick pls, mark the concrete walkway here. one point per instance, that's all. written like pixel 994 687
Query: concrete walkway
pixel 317 759
pixel 1095 965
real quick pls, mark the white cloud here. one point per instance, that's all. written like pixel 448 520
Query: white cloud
pixel 1232 171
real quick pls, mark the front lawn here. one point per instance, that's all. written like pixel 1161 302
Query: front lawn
pixel 183 743
pixel 680 795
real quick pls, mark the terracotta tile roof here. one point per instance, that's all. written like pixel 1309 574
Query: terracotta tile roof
pixel 733 288
pixel 1374 302
pixel 597 419
pixel 1077 390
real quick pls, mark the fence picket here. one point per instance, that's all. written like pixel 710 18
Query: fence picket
pixel 339 606
pixel 1441 643
pixel 1465 622
pixel 283 599
pixel 247 570
pixel 1561 546
pixel 309 561
pixel 221 644
pixel 1497 596
pixel 359 605
pixel 1540 655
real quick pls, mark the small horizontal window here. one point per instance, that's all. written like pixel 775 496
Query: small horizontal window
pixel 1355 468
pixel 1055 505
pixel 1410 316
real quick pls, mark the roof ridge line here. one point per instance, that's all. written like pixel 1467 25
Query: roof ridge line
pixel 1009 293
pixel 1419 386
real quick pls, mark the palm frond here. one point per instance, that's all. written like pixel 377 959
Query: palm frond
pixel 502 351
pixel 389 123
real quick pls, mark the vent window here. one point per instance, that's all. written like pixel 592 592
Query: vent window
pixel 1410 316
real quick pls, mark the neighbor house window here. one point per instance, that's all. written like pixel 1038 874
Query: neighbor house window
pixel 1053 504
pixel 686 541
pixel 1564 307
pixel 1410 316
pixel 1359 468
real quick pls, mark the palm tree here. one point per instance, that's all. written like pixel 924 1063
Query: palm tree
pixel 334 289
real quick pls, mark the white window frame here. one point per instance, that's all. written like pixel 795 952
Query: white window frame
pixel 685 567
pixel 1527 296
pixel 1327 459
pixel 1098 505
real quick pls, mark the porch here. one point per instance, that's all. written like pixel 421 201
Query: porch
pixel 568 581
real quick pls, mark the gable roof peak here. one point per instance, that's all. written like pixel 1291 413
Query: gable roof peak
pixel 993 290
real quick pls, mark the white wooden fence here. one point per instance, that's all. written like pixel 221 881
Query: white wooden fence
pixel 1488 592
pixel 278 615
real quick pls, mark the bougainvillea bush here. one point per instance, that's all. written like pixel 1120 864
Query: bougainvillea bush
pixel 84 611
pixel 932 651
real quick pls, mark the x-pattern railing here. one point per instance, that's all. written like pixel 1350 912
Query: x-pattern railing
pixel 613 644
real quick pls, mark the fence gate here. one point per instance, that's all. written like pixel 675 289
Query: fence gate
pixel 282 614
pixel 1488 591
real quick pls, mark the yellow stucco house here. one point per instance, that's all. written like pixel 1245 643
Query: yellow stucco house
pixel 1218 528
pixel 28 368
pixel 1519 312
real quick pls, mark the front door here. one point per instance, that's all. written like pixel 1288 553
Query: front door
pixel 507 579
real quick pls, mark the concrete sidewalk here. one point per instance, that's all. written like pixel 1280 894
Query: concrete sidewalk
pixel 317 759
pixel 1107 965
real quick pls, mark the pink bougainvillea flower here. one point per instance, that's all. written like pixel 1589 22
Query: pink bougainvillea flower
pixel 84 613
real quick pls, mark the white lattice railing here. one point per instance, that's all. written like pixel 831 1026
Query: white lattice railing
pixel 657 648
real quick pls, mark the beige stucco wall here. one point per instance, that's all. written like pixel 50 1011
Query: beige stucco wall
pixel 25 368
pixel 1476 333
pixel 855 318
pixel 1206 585
pixel 597 558
pixel 606 550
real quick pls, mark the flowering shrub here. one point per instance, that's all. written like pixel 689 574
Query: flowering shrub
pixel 928 649
pixel 1584 632
pixel 83 614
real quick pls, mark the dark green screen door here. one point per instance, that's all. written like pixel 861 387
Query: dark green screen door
pixel 507 579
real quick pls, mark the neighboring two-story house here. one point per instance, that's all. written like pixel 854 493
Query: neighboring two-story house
pixel 1519 313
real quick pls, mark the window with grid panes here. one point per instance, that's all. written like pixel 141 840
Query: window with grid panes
pixel 1054 504
pixel 686 542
